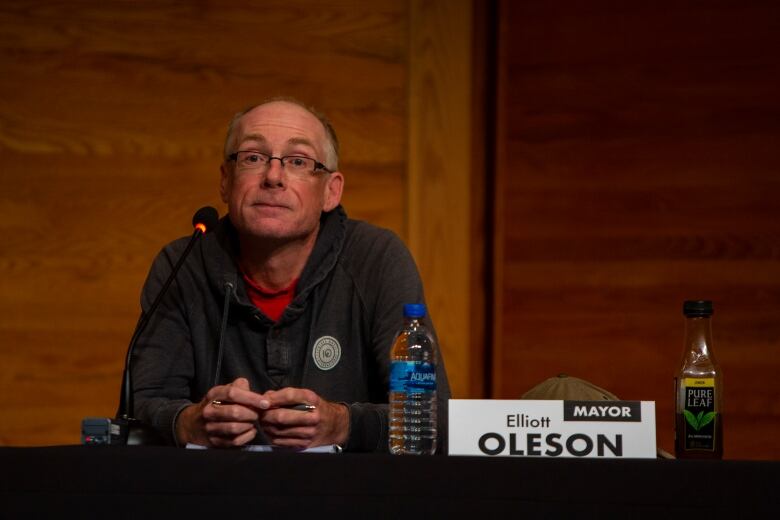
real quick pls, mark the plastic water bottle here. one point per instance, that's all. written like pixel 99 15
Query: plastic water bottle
pixel 413 387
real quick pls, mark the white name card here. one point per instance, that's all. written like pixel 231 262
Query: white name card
pixel 528 428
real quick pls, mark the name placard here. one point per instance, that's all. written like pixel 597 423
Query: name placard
pixel 528 428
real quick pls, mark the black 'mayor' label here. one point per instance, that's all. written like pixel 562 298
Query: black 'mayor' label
pixel 617 411
pixel 699 413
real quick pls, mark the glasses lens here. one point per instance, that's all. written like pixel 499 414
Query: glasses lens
pixel 251 160
pixel 298 164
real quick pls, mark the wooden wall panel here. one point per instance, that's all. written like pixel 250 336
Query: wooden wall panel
pixel 112 117
pixel 638 167
pixel 445 188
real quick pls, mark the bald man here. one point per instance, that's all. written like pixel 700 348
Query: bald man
pixel 279 325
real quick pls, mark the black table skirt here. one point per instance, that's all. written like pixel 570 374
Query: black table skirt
pixel 134 482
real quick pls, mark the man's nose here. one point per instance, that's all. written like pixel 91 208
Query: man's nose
pixel 274 175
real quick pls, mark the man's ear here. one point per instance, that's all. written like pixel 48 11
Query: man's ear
pixel 224 182
pixel 334 187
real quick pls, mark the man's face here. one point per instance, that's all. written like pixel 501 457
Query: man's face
pixel 274 204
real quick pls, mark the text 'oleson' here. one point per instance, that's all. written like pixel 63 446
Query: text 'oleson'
pixel 550 445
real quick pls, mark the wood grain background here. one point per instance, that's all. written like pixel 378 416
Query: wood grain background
pixel 636 157
pixel 446 182
pixel 638 167
pixel 112 119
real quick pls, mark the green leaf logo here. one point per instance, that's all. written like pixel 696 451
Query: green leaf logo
pixel 708 418
pixel 699 421
pixel 691 419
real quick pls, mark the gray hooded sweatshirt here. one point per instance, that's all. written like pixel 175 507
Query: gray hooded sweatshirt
pixel 334 338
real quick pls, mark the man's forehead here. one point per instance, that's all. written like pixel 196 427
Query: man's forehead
pixel 281 124
pixel 260 139
pixel 281 115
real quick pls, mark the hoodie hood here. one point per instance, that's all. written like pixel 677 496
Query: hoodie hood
pixel 220 252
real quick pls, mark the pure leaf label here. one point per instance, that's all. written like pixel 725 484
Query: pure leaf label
pixel 700 414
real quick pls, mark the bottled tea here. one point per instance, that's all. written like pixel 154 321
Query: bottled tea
pixel 698 389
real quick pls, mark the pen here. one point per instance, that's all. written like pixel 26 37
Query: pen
pixel 303 407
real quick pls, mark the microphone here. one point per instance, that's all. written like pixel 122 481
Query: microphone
pixel 205 219
pixel 129 430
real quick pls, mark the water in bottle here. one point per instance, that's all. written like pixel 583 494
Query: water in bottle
pixel 413 387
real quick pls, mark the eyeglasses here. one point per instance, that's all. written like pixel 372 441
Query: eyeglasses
pixel 259 162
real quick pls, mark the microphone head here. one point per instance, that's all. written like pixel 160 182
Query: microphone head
pixel 205 219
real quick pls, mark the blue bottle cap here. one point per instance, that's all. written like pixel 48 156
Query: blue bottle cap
pixel 414 310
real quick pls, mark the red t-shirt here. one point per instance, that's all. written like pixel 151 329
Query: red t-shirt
pixel 272 303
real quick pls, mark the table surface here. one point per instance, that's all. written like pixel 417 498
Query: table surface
pixel 132 481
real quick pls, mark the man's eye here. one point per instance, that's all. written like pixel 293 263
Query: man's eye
pixel 297 162
pixel 253 158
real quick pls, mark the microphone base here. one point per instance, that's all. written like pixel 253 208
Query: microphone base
pixel 120 431
pixel 102 431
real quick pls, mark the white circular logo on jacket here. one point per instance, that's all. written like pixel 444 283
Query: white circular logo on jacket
pixel 326 352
